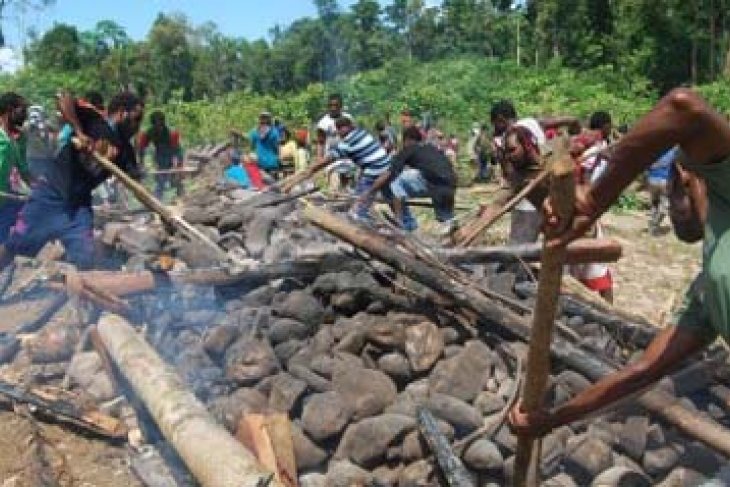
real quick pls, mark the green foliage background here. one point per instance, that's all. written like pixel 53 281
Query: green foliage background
pixel 455 92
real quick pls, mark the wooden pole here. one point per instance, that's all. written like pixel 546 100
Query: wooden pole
pixel 581 251
pixel 155 205
pixel 211 454
pixel 562 196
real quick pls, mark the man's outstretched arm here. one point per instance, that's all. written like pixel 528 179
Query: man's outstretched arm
pixel 664 354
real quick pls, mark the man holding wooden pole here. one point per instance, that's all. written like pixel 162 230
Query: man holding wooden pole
pixel 681 118
pixel 59 206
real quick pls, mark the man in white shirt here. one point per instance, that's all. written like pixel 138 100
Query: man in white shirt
pixel 341 172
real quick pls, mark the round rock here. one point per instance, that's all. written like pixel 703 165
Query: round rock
pixel 325 415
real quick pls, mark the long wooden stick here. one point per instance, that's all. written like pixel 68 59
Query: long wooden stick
pixel 146 198
pixel 562 195
pixel 581 251
pixel 471 232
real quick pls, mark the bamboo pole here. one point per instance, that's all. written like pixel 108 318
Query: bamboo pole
pixel 211 454
pixel 562 196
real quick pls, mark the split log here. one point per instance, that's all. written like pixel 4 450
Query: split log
pixel 581 251
pixel 269 437
pixel 506 322
pixel 451 466
pixel 213 456
pixel 562 196
pixel 58 405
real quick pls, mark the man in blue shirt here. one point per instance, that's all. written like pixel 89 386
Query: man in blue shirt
pixel 265 141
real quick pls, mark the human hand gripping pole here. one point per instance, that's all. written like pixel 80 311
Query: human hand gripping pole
pixel 562 201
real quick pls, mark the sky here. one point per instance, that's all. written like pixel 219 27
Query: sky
pixel 250 19
pixel 236 18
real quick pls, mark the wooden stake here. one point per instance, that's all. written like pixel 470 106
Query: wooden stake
pixel 562 196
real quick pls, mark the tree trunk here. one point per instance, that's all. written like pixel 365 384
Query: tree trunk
pixel 213 456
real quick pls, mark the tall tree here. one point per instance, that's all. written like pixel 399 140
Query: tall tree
pixel 59 49
pixel 171 56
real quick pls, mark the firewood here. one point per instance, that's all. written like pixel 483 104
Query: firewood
pixel 451 466
pixel 213 456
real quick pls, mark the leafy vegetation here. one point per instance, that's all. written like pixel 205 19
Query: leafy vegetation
pixel 448 61
pixel 454 94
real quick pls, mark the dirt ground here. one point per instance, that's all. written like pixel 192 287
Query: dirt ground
pixel 75 461
pixel 650 279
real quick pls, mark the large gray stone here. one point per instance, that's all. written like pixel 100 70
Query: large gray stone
pixel 620 477
pixel 366 392
pixel 301 306
pixel 230 409
pixel 395 365
pixel 660 461
pixel 87 372
pixel 387 334
pixel 417 474
pixel 464 375
pixel 366 442
pixel 314 381
pixel 424 345
pixel 217 340
pixel 345 474
pixel 587 456
pixel 285 329
pixel 285 392
pixel 463 417
pixel 249 360
pixel 325 415
pixel 54 343
pixel 483 455
pixel 632 437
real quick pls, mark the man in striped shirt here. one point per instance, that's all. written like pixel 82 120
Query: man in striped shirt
pixel 365 151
